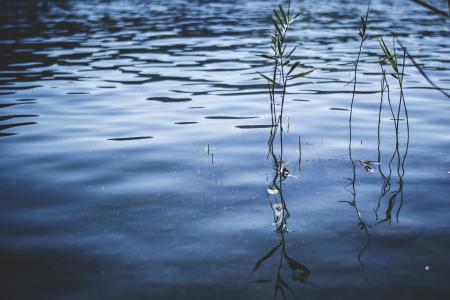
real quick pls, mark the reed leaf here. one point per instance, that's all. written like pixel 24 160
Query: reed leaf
pixel 303 74
pixel 268 79
pixel 283 13
pixel 294 66
pixel 268 255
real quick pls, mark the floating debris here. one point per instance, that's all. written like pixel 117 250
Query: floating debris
pixel 427 268
pixel 284 172
pixel 367 164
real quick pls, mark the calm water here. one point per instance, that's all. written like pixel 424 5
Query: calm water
pixel 109 191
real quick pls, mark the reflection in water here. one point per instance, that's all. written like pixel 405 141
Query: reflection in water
pixel 277 85
pixel 366 164
pixel 299 272
pixel 391 196
pixel 13 118
pixel 150 209
pixel 398 157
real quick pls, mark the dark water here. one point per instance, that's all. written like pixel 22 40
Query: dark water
pixel 109 191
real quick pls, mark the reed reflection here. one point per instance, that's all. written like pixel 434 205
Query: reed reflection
pixel 285 263
pixel 397 160
pixel 391 167
pixel 277 83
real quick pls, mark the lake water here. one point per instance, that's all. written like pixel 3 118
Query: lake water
pixel 134 153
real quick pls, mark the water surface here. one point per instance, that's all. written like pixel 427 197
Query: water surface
pixel 134 155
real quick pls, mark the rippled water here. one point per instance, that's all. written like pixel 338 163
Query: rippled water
pixel 133 144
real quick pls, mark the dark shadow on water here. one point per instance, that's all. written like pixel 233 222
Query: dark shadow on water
pixel 229 118
pixel 339 109
pixel 254 126
pixel 168 99
pixel 49 273
pixel 185 123
pixel 9 126
pixel 4 118
pixel 131 138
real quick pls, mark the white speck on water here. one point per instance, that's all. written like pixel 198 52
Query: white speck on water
pixel 272 190
pixel 427 268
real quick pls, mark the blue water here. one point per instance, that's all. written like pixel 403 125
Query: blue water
pixel 133 164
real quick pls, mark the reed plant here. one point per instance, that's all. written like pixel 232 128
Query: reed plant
pixel 394 65
pixel 283 71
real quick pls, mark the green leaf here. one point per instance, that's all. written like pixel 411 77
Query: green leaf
pixel 268 79
pixel 299 271
pixel 391 204
pixel 290 53
pixel 392 59
pixel 279 45
pixel 283 13
pixel 392 201
pixel 294 66
pixel 384 47
pixel 278 18
pixel 276 26
pixel 303 74
pixel 268 255
pixel 268 56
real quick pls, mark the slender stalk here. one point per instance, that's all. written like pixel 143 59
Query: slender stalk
pixel 432 8
pixel 363 37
